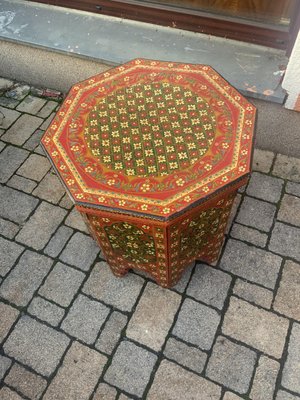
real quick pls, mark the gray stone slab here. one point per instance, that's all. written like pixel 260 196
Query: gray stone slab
pixel 131 368
pixel 209 285
pixel 147 325
pixel 111 333
pixel 7 117
pixel 75 220
pixel 35 167
pixel 105 392
pixel 8 228
pixel 285 240
pixel 176 383
pixel 22 129
pixel 120 293
pixel 8 316
pixel 283 395
pixel 184 280
pixel 62 284
pixel 187 356
pixel 291 370
pixel 293 188
pixel 21 183
pixel 6 102
pixel 21 283
pixel 253 293
pixel 249 235
pixel 46 311
pixel 18 91
pixel 31 105
pixel 8 394
pixel 81 251
pixel 58 241
pixel 36 345
pixel 11 159
pixel 5 363
pixel 256 213
pixel 9 251
pixel 289 210
pixel 78 375
pixel 47 122
pixel 191 317
pixel 256 327
pixel 34 140
pixel 40 227
pixel 263 386
pixel 251 263
pixel 47 109
pixel 265 187
pixel 231 365
pixel 231 396
pixel 66 202
pixel 26 382
pixel 50 189
pixel 85 319
pixel 287 168
pixel 262 160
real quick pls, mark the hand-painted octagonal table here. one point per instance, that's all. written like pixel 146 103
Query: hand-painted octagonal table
pixel 152 153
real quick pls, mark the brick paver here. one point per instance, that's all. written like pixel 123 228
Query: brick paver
pixel 70 329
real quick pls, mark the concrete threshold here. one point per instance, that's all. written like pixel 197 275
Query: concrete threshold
pixel 103 41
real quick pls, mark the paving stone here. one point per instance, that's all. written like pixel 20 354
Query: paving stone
pixel 262 160
pixel 249 235
pixel 256 294
pixel 173 382
pixel 287 300
pixel 2 145
pixel 85 319
pixel 21 283
pixel 26 382
pixel 34 140
pixel 111 332
pixel 6 102
pixel 62 284
pixel 8 316
pixel 282 395
pixel 287 168
pixel 209 285
pixel 58 241
pixel 5 84
pixel 7 117
pixel 187 356
pixel 8 229
pixel 251 263
pixel 8 394
pixel 5 363
pixel 258 328
pixel 291 370
pixel 81 251
pixel 11 159
pixel 290 210
pixel 78 375
pixel 66 202
pixel 31 105
pixel 285 240
pixel 231 396
pixel 47 122
pixel 50 189
pixel 9 251
pixel 75 220
pixel 121 293
pixel 256 213
pixel 231 364
pixel 293 188
pixel 41 226
pixel 265 187
pixel 15 205
pixel 149 327
pixel 184 280
pixel 47 109
pixel 36 345
pixel 191 317
pixel 263 386
pixel 131 368
pixel 235 206
pixel 46 311
pixel 105 392
pixel 21 183
pixel 18 91
pixel 35 167
pixel 22 129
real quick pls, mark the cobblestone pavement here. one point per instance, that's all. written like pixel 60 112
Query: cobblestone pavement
pixel 70 330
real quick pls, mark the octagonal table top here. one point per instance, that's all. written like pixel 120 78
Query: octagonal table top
pixel 151 138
